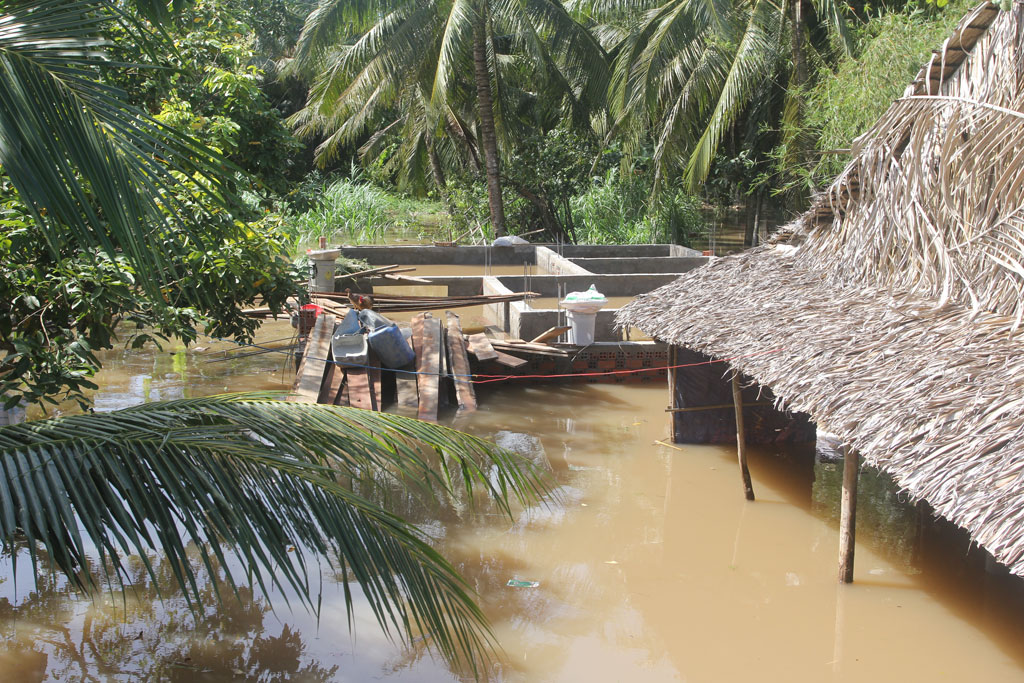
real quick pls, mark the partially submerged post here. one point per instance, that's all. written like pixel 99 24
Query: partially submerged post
pixel 848 514
pixel 741 445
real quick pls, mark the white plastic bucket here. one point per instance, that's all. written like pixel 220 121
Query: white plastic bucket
pixel 582 325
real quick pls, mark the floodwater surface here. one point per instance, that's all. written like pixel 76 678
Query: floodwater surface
pixel 651 567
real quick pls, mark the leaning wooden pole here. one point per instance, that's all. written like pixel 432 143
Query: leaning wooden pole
pixel 741 441
pixel 848 514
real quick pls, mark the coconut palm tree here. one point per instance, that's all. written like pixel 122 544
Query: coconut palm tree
pixel 690 69
pixel 367 56
pixel 280 488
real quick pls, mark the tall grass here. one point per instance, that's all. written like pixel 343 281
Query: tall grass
pixel 346 211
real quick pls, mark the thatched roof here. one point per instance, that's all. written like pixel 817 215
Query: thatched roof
pixel 890 312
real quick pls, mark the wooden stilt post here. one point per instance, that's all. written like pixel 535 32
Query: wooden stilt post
pixel 848 514
pixel 741 442
pixel 672 403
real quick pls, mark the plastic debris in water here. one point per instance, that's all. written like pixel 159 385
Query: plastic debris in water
pixel 516 583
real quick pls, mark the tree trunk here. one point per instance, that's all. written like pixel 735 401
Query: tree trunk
pixel 488 139
pixel 800 74
pixel 438 173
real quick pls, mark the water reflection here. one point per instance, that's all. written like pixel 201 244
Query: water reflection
pixel 54 634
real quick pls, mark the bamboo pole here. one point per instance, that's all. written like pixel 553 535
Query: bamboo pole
pixel 741 442
pixel 848 514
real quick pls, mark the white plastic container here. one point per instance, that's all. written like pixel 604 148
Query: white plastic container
pixel 582 308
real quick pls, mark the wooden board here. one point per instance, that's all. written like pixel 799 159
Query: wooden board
pixel 405 380
pixel 550 333
pixel 417 333
pixel 460 365
pixel 446 390
pixel 359 388
pixel 374 374
pixel 332 380
pixel 311 370
pixel 480 346
pixel 510 361
pixel 428 366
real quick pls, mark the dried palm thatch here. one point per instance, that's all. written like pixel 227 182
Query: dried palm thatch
pixel 890 311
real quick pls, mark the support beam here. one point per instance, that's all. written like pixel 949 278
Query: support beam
pixel 673 404
pixel 848 514
pixel 741 442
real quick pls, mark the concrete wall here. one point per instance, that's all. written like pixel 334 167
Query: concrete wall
pixel 609 285
pixel 458 285
pixel 573 251
pixel 655 264
pixel 421 255
pixel 679 250
pixel 551 262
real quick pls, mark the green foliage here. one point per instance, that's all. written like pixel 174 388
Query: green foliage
pixel 56 310
pixel 467 206
pixel 547 170
pixel 846 103
pixel 211 85
pixel 618 209
pixel 347 210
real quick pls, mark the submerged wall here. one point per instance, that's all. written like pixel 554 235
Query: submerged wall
pixel 701 396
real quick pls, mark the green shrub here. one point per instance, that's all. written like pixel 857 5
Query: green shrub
pixel 617 209
pixel 891 50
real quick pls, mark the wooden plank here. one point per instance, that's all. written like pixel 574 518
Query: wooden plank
pixel 405 381
pixel 329 388
pixel 311 370
pixel 526 347
pixel 480 346
pixel 551 333
pixel 371 271
pixel 339 387
pixel 427 364
pixel 510 361
pixel 446 392
pixel 417 333
pixel 359 388
pixel 460 365
pixel 374 375
pixel 407 278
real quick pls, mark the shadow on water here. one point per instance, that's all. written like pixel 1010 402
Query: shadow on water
pixel 937 555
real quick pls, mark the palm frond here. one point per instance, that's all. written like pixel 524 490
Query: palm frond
pixel 251 477
pixel 756 52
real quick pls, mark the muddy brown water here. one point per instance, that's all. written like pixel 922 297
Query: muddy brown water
pixel 652 567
